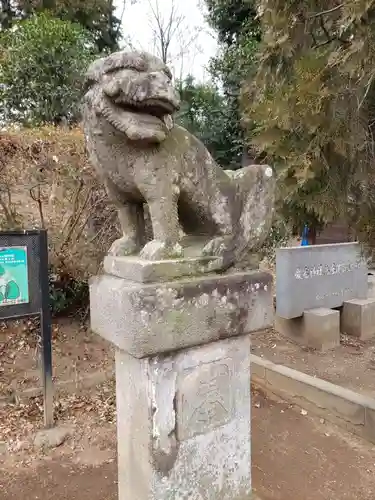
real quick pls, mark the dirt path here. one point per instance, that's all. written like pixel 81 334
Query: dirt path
pixel 300 457
pixel 62 481
pixel 295 456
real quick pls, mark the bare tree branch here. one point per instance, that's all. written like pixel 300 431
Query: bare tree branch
pixel 168 29
pixel 125 4
pixel 329 11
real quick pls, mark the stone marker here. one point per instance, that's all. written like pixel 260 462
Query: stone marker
pixel 371 285
pixel 318 276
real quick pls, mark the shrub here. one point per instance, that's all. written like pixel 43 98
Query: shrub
pixel 42 66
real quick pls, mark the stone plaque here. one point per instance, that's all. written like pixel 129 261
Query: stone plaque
pixel 204 400
pixel 318 276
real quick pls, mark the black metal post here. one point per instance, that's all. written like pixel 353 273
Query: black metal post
pixel 46 332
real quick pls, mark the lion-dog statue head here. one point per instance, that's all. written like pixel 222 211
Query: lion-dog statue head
pixel 136 94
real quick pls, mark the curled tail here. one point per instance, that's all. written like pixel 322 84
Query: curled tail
pixel 256 187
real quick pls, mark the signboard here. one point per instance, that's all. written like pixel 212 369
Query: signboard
pixel 24 292
pixel 14 276
pixel 318 276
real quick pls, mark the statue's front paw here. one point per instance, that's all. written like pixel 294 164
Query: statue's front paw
pixel 216 246
pixel 159 250
pixel 124 246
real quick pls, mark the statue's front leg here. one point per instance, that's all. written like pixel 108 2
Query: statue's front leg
pixel 165 225
pixel 132 225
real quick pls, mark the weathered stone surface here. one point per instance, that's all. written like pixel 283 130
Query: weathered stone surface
pixel 146 319
pixel 318 276
pixel 293 328
pixel 148 271
pixel 358 318
pixel 143 158
pixel 317 328
pixel 184 424
pixel 371 286
pixel 204 398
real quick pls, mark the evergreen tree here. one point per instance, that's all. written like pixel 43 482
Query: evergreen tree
pixel 204 112
pixel 313 103
pixel 239 35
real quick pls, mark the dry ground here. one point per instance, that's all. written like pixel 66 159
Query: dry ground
pixel 351 365
pixel 295 456
pixel 76 352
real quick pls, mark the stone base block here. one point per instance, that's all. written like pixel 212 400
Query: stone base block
pixel 317 328
pixel 184 423
pixel 358 318
pixel 147 271
pixel 322 328
pixel 292 328
pixel 147 319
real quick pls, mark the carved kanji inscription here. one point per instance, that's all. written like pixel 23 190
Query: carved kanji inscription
pixel 205 399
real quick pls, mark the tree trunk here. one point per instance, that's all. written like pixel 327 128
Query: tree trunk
pixel 6 15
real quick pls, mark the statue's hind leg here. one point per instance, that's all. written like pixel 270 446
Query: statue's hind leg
pixel 225 211
pixel 256 185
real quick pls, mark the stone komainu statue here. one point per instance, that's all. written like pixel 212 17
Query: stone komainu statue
pixel 143 158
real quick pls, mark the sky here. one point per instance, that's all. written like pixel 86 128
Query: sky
pixel 137 25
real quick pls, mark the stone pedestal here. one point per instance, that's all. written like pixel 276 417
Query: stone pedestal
pixel 183 380
pixel 184 423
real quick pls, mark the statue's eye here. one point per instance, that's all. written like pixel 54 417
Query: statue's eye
pixel 168 74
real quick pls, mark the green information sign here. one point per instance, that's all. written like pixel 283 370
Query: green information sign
pixel 14 280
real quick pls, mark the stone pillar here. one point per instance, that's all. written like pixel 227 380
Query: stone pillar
pixel 182 375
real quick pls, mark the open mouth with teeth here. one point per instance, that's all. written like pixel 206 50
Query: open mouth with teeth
pixel 158 108
pixel 149 119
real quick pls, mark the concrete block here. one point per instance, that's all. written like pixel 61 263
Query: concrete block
pixel 292 328
pixel 322 328
pixel 348 409
pixel 184 423
pixel 148 319
pixel 344 404
pixel 369 431
pixel 358 318
pixel 317 328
